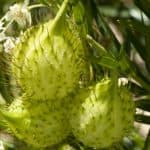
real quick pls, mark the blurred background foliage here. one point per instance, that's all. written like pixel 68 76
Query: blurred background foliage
pixel 122 28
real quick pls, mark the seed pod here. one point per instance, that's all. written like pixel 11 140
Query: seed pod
pixel 37 123
pixel 101 116
pixel 51 59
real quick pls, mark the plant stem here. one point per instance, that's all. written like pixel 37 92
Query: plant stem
pixel 58 16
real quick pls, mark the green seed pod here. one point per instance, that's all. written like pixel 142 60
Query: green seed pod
pixel 51 59
pixel 38 124
pixel 102 115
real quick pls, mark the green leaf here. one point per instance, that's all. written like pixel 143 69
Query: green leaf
pixel 106 31
pixel 147 142
pixel 142 118
pixel 144 5
pixel 143 104
pixel 108 62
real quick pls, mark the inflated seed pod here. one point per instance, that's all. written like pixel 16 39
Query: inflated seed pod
pixel 49 64
pixel 102 115
pixel 51 59
pixel 36 123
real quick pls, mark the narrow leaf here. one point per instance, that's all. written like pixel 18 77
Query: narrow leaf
pixel 147 142
pixel 143 104
pixel 142 118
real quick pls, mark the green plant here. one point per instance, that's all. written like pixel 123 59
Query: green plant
pixel 55 72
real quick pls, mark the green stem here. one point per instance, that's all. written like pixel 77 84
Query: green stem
pixel 58 16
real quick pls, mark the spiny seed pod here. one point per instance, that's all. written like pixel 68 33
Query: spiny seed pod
pixel 51 59
pixel 37 123
pixel 102 115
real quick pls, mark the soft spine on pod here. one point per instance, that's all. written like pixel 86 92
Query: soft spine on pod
pixel 51 59
pixel 101 116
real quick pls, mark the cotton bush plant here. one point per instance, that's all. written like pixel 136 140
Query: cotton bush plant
pixel 70 92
